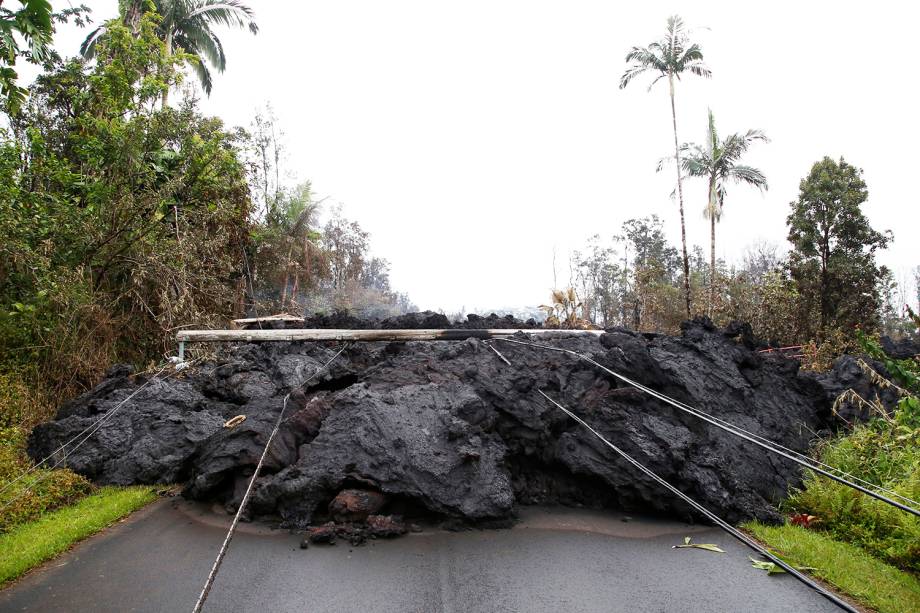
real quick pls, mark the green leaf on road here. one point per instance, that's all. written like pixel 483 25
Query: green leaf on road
pixel 707 546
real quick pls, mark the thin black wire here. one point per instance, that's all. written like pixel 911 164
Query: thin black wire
pixel 728 427
pixel 788 450
pixel 712 516
pixel 796 453
pixel 314 375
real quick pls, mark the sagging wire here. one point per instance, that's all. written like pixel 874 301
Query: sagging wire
pixel 763 442
pixel 212 575
pixel 86 434
pixel 709 514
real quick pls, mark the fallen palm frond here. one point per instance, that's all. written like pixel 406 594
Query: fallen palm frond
pixel 851 397
pixel 879 380
pixel 688 543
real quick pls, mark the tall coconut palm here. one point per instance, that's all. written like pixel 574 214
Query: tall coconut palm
pixel 718 160
pixel 187 25
pixel 670 58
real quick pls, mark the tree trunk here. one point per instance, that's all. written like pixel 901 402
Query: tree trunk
pixel 133 13
pixel 712 261
pixel 825 303
pixel 287 274
pixel 680 199
pixel 294 290
pixel 169 50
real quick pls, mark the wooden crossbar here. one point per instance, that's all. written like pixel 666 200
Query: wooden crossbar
pixel 308 334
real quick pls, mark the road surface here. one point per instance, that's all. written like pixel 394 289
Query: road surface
pixel 554 560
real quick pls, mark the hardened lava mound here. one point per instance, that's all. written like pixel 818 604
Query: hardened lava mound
pixel 447 428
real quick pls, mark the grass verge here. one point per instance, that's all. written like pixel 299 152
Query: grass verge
pixel 847 567
pixel 30 544
pixel 38 493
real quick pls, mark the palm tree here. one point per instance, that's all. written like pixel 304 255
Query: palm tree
pixel 296 228
pixel 718 160
pixel 669 58
pixel 187 25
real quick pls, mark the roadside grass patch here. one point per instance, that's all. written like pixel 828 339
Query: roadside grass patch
pixel 41 491
pixel 880 452
pixel 847 567
pixel 30 544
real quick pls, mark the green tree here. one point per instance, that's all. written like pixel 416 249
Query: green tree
pixel 120 221
pixel 652 288
pixel 669 59
pixel 288 255
pixel 718 161
pixel 187 26
pixel 32 22
pixel 833 249
pixel 599 279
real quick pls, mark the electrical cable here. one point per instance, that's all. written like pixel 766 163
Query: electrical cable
pixel 712 516
pixel 730 428
pixel 212 575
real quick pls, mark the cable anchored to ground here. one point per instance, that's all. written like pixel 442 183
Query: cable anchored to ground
pixel 206 590
pixel 709 514
pixel 760 441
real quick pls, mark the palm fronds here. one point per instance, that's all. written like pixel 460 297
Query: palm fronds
pixel 187 25
pixel 669 57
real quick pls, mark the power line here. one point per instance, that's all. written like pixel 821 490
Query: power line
pixel 236 518
pixel 206 590
pixel 728 427
pixel 88 432
pixel 712 516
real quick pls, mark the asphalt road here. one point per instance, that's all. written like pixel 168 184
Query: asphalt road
pixel 555 560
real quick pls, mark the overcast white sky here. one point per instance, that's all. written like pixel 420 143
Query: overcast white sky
pixel 471 138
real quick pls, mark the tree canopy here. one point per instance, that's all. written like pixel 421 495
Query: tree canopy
pixel 669 58
pixel 834 247
pixel 719 162
pixel 188 26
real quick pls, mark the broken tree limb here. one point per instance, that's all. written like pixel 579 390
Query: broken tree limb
pixel 191 336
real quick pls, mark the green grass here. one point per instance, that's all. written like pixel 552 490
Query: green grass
pixel 847 567
pixel 30 544
pixel 39 492
pixel 880 452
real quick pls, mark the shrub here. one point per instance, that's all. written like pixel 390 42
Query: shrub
pixel 21 405
pixel 885 451
pixel 49 489
pixel 881 453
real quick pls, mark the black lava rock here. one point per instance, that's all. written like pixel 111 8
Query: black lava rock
pixel 448 427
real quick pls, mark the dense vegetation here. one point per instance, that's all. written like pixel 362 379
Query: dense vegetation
pixel 125 217
pixel 825 287
pixel 884 451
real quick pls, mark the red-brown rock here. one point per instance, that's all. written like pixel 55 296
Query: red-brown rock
pixel 385 526
pixel 324 534
pixel 356 505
